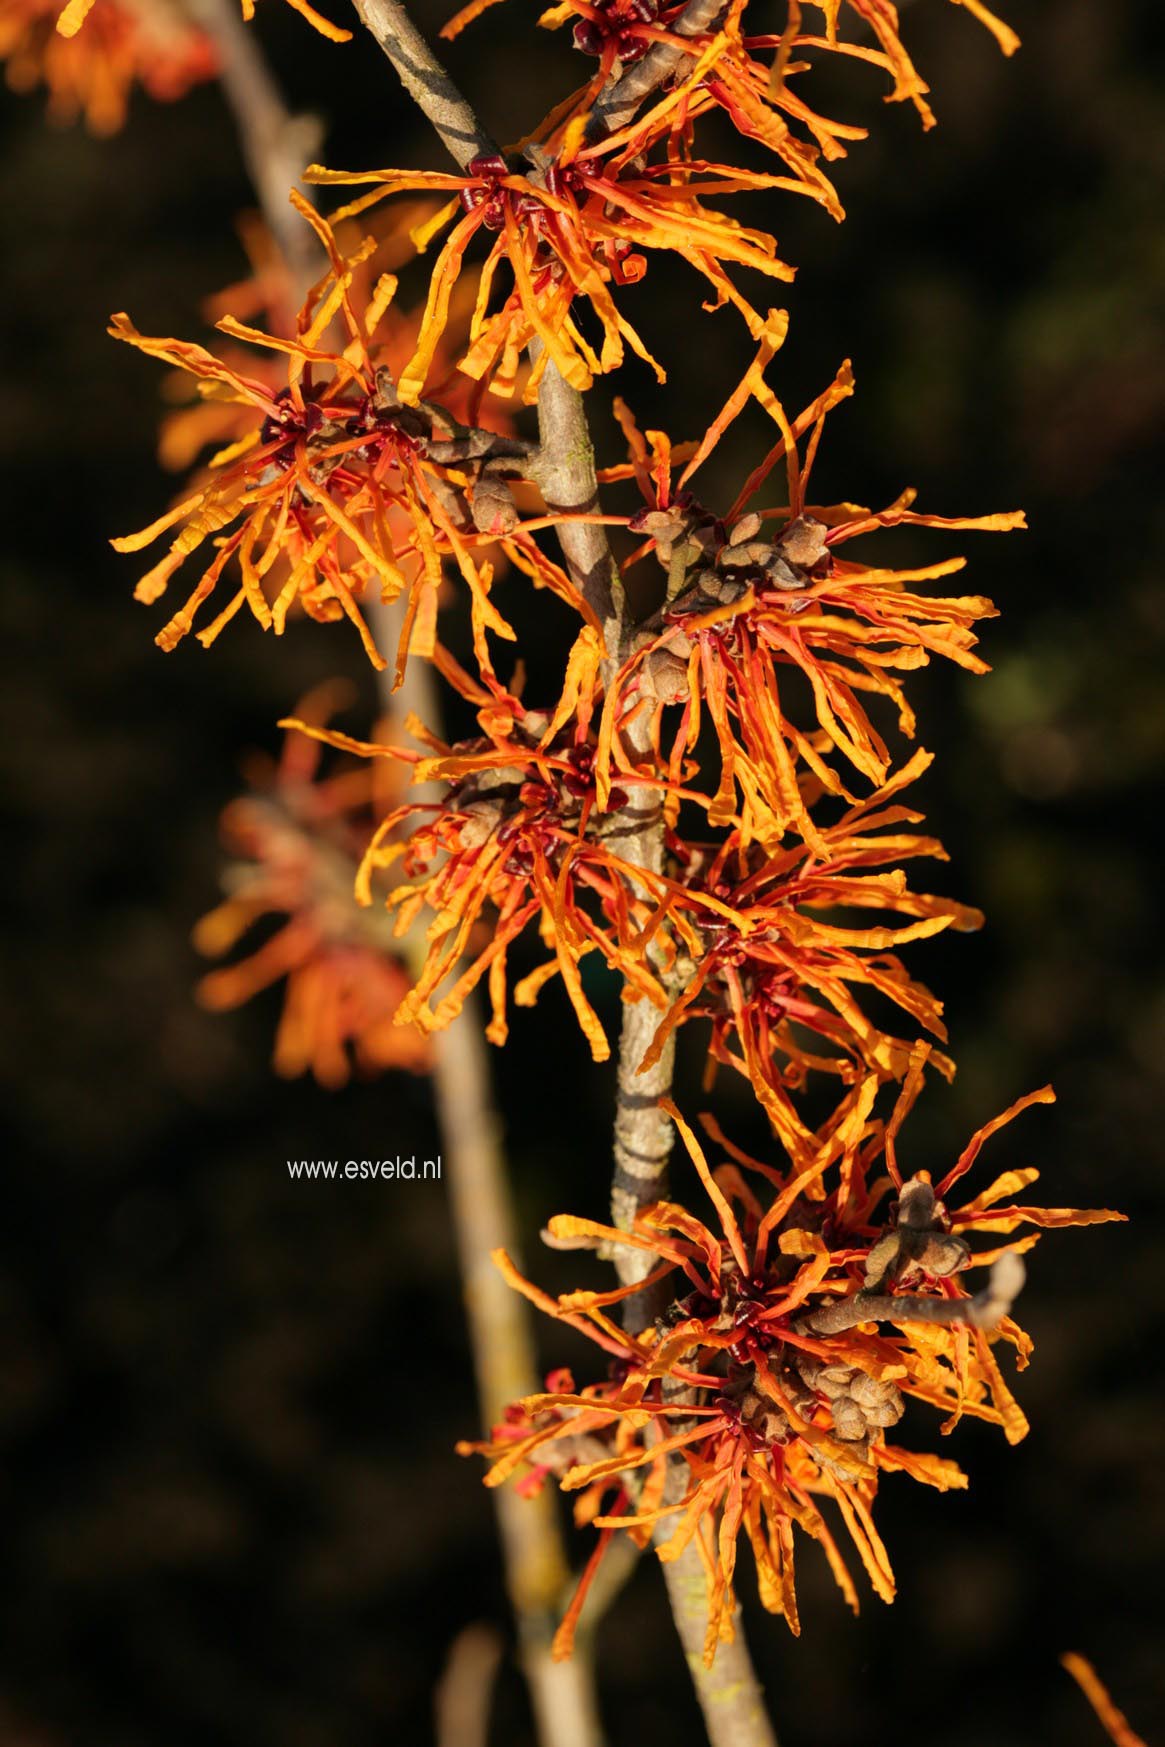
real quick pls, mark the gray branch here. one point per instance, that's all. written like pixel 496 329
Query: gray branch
pixel 425 80
pixel 985 1310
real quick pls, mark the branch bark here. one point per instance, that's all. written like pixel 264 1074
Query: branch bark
pixel 729 1694
pixel 566 479
pixel 616 104
pixel 985 1310
pixel 425 80
pixel 731 1697
pixel 643 1135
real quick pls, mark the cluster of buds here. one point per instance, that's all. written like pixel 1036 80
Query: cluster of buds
pixel 716 567
pixel 858 1403
pixel 534 811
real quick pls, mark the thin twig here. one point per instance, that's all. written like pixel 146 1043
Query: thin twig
pixel 566 479
pixel 537 1573
pixel 985 1310
pixel 461 1704
pixel 276 145
pixel 620 97
pixel 425 80
pixel 643 1135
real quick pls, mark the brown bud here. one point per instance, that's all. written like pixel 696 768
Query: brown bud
pixel 665 676
pixel 916 1204
pixel 873 1394
pixel 784 576
pixel 802 1398
pixel 492 506
pixel 747 555
pixel 882 1259
pixel 713 589
pixel 849 1422
pixel 828 1380
pixel 943 1255
pixel 803 541
pixel 747 528
pixel 763 1417
pixel 885 1413
pixel 666 528
pixel 386 398
pixel 481 819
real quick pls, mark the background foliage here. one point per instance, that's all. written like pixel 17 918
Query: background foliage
pixel 232 1504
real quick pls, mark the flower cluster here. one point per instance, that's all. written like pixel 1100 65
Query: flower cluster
pixel 797 1321
pixel 332 485
pixel 572 217
pixel 715 807
pixel 518 832
pixel 748 603
pixel 780 928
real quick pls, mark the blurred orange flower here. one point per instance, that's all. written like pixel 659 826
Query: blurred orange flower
pixel 79 12
pixel 128 42
pixel 296 839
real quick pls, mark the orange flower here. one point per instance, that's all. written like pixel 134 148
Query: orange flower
pixel 297 839
pixel 766 1384
pixel 335 480
pixel 128 42
pixel 721 74
pixel 571 232
pixel 267 295
pixel 724 72
pixel 771 945
pixel 77 12
pixel 745 603
pixel 519 833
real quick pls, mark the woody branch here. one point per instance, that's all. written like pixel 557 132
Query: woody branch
pixel 730 1695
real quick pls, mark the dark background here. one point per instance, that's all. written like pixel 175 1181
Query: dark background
pixel 227 1402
